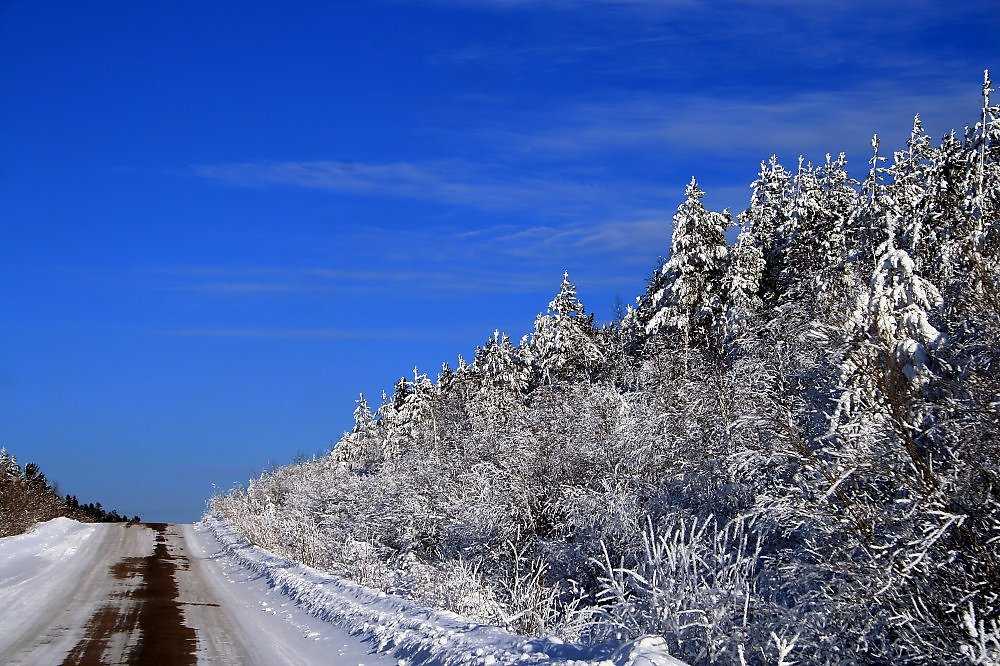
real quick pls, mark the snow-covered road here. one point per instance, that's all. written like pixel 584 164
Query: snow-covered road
pixel 162 594
pixel 77 594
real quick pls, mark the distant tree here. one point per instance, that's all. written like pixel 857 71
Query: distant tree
pixel 501 373
pixel 27 497
pixel 768 218
pixel 818 257
pixel 8 465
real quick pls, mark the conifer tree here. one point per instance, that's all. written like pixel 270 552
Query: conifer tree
pixel 363 417
pixel 564 344
pixel 918 230
pixel 767 218
pixel 984 242
pixel 8 465
pixel 691 301
pixel 819 236
pixel 876 217
pixel 501 370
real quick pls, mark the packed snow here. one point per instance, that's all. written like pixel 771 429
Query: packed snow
pixel 260 625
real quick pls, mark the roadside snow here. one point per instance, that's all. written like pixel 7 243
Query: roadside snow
pixel 416 634
pixel 241 619
pixel 22 555
pixel 36 567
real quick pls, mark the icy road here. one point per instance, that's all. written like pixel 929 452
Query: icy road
pixel 73 593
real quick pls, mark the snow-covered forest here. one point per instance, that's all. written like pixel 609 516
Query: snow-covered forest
pixel 787 450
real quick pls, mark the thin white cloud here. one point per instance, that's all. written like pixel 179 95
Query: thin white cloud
pixel 296 333
pixel 567 5
pixel 449 182
pixel 729 34
pixel 635 237
pixel 465 264
pixel 249 287
pixel 810 123
pixel 460 279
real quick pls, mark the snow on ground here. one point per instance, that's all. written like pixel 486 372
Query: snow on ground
pixel 260 626
pixel 36 566
pixel 412 633
pixel 22 555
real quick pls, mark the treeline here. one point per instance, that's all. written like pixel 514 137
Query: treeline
pixel 786 451
pixel 27 498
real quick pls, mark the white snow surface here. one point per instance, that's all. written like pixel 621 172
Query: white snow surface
pixel 412 633
pixel 34 567
pixel 23 555
pixel 260 626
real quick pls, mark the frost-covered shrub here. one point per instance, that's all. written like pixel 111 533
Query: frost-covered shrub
pixel 692 582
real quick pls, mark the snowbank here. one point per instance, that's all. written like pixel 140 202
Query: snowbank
pixel 36 569
pixel 417 634
pixel 22 555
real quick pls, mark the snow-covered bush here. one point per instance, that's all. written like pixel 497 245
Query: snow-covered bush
pixel 692 582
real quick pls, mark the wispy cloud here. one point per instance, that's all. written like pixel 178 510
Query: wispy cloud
pixel 540 167
pixel 451 280
pixel 500 259
pixel 566 5
pixel 297 334
pixel 449 182
pixel 807 123
pixel 730 35
pixel 552 212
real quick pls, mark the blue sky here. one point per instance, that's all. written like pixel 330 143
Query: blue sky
pixel 221 221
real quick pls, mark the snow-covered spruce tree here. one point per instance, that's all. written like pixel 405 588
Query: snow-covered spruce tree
pixel 620 341
pixel 987 142
pixel 981 250
pixel 8 465
pixel 917 227
pixel 768 220
pixel 400 416
pixel 877 216
pixel 502 375
pixel 819 276
pixel 565 345
pixel 690 304
pixel 950 188
pixel 362 447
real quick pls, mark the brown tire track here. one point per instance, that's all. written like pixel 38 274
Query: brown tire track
pixel 149 614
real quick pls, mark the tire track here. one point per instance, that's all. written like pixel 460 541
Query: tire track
pixel 143 622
